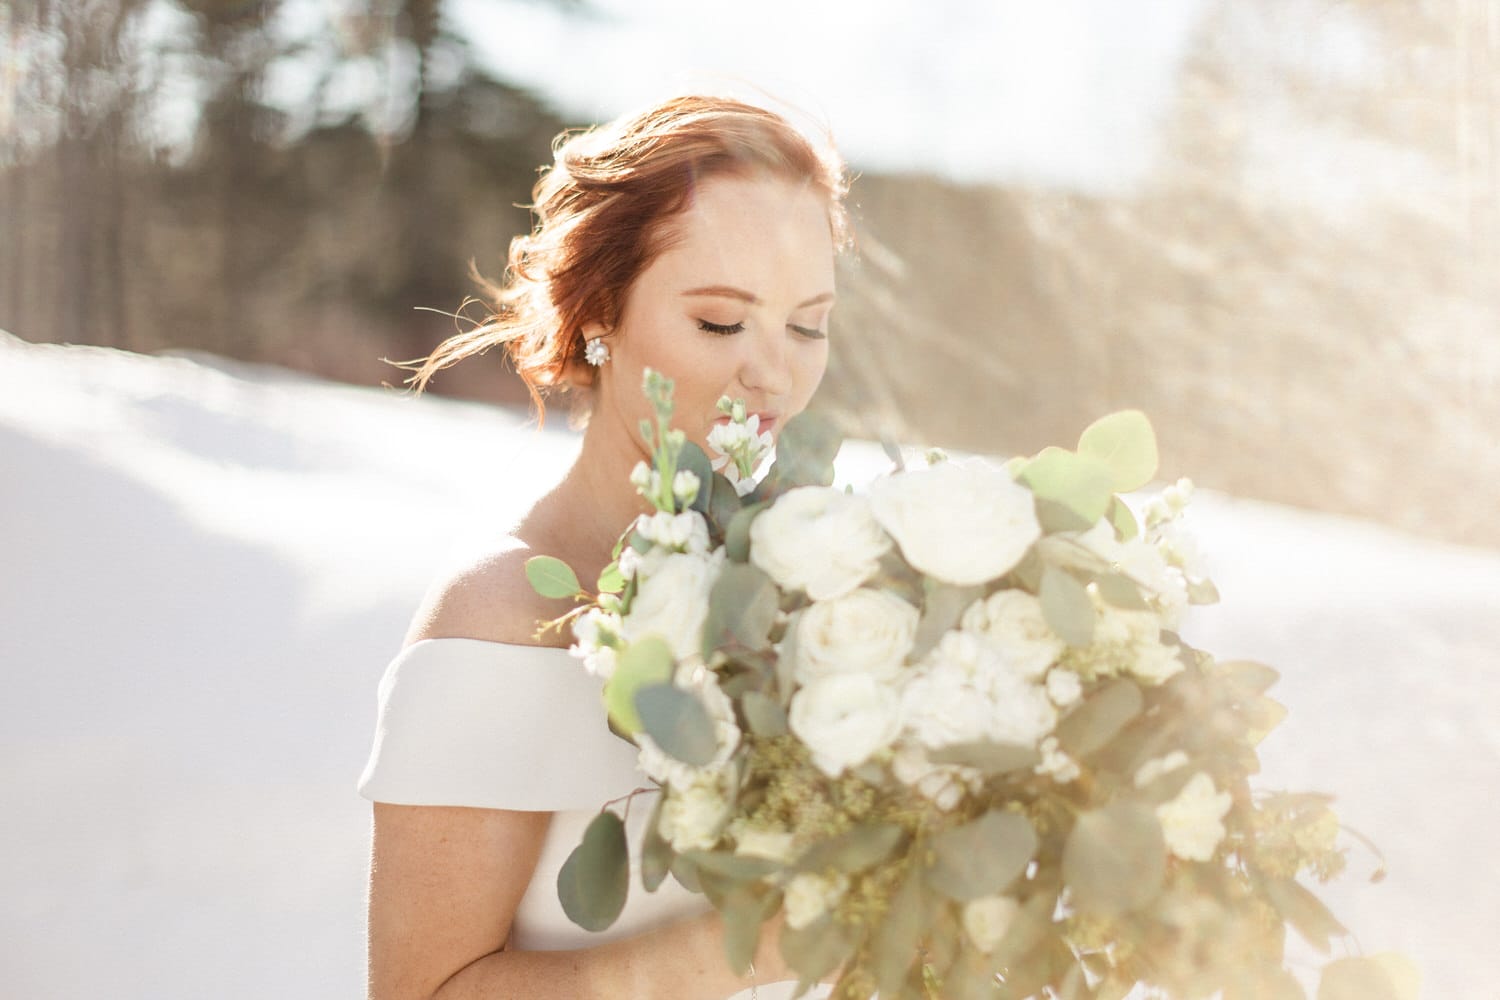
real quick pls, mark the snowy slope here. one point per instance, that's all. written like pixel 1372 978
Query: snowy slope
pixel 206 566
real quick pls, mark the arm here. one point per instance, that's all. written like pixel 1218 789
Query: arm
pixel 444 886
pixel 445 882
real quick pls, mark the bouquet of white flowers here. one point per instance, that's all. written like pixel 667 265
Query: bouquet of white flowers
pixel 947 725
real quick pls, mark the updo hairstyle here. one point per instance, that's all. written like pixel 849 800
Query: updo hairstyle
pixel 598 212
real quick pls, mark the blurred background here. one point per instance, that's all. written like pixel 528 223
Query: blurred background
pixel 1273 225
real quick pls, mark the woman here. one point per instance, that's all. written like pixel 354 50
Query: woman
pixel 696 238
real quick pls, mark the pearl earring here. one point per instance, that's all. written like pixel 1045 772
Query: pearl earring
pixel 595 351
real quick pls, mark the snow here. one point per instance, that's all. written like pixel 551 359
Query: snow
pixel 208 564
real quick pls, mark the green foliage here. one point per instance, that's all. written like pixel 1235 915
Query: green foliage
pixel 1123 520
pixel 1079 483
pixel 723 501
pixel 981 857
pixel 1304 911
pixel 611 580
pixel 551 577
pixel 942 606
pixel 894 943
pixel 991 758
pixel 678 722
pixel 1115 858
pixel 741 607
pixel 804 455
pixel 1125 444
pixel 644 662
pixel 744 910
pixel 1121 591
pixel 592 884
pixel 763 714
pixel 1067 607
pixel 853 850
pixel 817 949
pixel 693 460
pixel 1099 718
pixel 737 535
pixel 656 853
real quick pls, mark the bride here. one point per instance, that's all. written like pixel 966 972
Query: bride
pixel 696 238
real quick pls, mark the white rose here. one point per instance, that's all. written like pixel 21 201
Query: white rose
pixel 810 895
pixel 966 691
pixel 961 523
pixel 865 631
pixel 1192 822
pixel 818 539
pixel 987 919
pixel 1063 687
pixel 843 719
pixel 672 602
pixel 1013 620
pixel 692 817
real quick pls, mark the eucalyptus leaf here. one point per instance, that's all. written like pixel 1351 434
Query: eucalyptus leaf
pixel 1055 516
pixel 1067 607
pixel 742 605
pixel 678 722
pixel 1384 976
pixel 817 949
pixel 723 502
pixel 686 874
pixel 805 451
pixel 893 452
pixel 991 758
pixel 1115 858
pixel 1304 911
pixel 551 577
pixel 611 580
pixel 1125 444
pixel 764 714
pixel 737 534
pixel 644 662
pixel 786 659
pixel 1078 482
pixel 692 459
pixel 732 867
pixel 1123 519
pixel 1202 592
pixel 942 606
pixel 1248 675
pixel 1099 718
pixel 744 911
pixel 656 851
pixel 854 850
pixel 893 946
pixel 1121 591
pixel 593 882
pixel 981 857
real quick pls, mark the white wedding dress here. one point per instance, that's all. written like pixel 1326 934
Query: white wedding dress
pixel 469 722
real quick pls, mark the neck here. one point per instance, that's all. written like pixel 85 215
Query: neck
pixel 595 501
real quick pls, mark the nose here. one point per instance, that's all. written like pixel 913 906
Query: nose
pixel 767 369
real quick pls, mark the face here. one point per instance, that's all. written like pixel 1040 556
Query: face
pixel 737 305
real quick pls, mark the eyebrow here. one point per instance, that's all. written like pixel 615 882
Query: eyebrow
pixel 730 292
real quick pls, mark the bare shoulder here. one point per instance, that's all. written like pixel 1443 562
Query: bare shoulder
pixel 486 596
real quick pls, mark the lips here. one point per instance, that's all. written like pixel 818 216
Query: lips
pixel 767 420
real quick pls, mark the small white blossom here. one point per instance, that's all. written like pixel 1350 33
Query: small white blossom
pixel 965 691
pixel 685 486
pixel 692 817
pixel 1192 823
pixel 1063 687
pixel 987 919
pixel 1056 764
pixel 762 842
pixel 809 895
pixel 942 784
pixel 685 532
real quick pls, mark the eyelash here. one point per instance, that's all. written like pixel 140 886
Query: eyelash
pixel 724 330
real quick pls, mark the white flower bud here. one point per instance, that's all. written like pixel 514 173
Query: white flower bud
pixel 685 486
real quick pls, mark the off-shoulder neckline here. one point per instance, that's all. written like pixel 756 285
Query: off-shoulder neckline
pixel 487 642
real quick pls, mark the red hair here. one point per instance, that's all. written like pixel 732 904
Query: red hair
pixel 598 212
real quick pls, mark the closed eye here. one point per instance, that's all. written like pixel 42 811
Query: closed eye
pixel 812 333
pixel 720 328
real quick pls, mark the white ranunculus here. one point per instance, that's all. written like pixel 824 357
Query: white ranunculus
pixel 819 540
pixel 672 602
pixel 1013 620
pixel 865 631
pixel 692 817
pixel 809 895
pixel 963 523
pixel 1192 823
pixel 987 919
pixel 1063 687
pixel 844 718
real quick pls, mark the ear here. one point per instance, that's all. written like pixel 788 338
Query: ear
pixel 581 373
